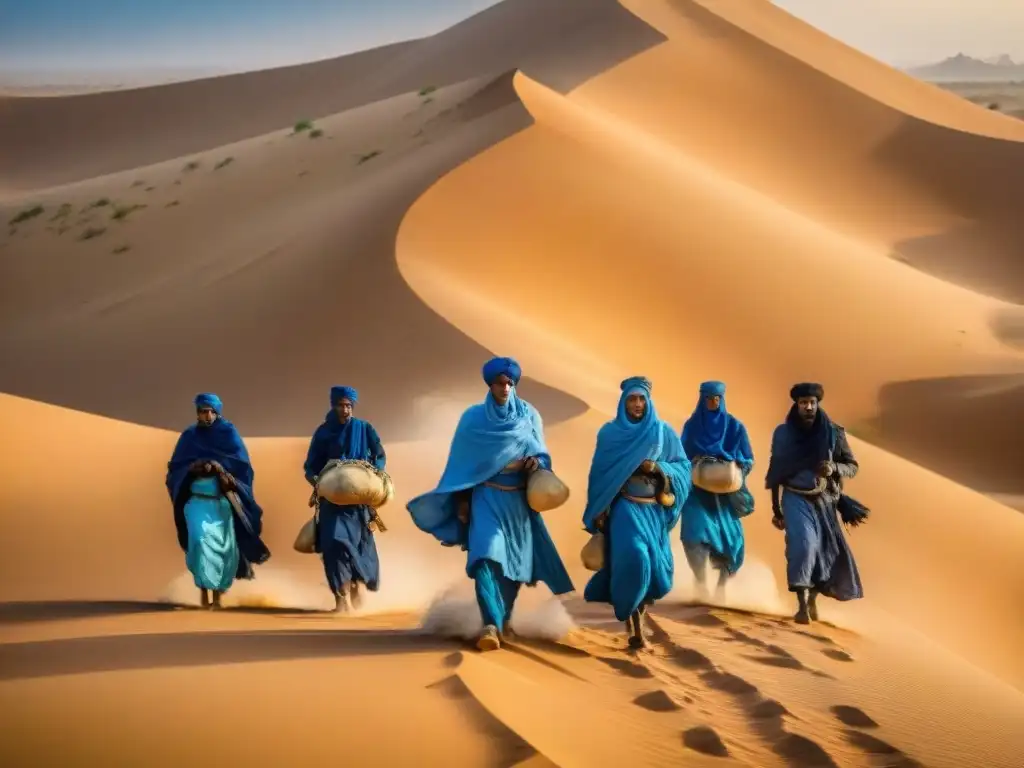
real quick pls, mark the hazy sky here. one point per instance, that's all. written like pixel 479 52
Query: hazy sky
pixel 61 35
pixel 903 32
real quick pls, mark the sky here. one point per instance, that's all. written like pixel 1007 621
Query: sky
pixel 125 35
pixel 914 32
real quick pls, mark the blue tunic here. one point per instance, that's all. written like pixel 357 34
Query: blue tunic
pixel 212 554
pixel 711 524
pixel 219 442
pixel 817 554
pixel 508 543
pixel 638 567
pixel 344 540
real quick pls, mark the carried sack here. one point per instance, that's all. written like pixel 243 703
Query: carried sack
pixel 305 542
pixel 355 483
pixel 741 503
pixel 592 553
pixel 544 491
pixel 851 511
pixel 717 476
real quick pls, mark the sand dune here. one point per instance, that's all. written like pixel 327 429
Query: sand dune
pixel 689 189
pixel 80 137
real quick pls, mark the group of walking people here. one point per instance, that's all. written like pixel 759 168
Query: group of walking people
pixel 640 487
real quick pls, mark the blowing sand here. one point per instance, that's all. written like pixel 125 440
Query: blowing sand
pixel 688 189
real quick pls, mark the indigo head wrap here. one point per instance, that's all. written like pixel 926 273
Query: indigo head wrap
pixel 340 393
pixel 807 389
pixel 716 434
pixel 502 365
pixel 712 389
pixel 209 400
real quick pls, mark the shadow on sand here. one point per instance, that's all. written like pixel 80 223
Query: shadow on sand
pixel 81 655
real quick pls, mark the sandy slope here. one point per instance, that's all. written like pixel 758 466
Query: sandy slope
pixel 671 215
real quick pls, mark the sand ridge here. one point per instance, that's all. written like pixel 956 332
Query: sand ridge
pixel 668 188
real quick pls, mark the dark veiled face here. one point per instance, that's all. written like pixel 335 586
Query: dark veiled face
pixel 205 416
pixel 807 407
pixel 344 408
pixel 713 402
pixel 636 406
pixel 501 389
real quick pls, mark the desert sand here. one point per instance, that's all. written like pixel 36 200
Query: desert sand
pixel 688 189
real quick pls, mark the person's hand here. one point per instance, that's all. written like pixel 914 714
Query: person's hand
pixel 648 467
pixel 227 482
pixel 462 511
pixel 601 521
pixel 778 521
pixel 217 467
pixel 532 464
pixel 826 469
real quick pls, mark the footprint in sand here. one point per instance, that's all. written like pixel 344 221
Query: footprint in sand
pixel 853 717
pixel 657 701
pixel 706 741
pixel 893 757
pixel 726 682
pixel 837 654
pixel 767 710
pixel 800 752
pixel 627 667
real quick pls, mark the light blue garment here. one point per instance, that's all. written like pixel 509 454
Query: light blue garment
pixel 212 555
pixel 503 529
pixel 711 529
pixel 495 594
pixel 710 523
pixel 638 566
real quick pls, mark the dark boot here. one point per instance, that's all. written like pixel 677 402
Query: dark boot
pixel 802 615
pixel 636 636
pixel 204 598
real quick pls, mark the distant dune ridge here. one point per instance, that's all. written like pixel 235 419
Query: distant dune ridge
pixel 688 189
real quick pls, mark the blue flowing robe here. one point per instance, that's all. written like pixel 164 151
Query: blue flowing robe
pixel 344 539
pixel 219 442
pixel 818 556
pixel 508 543
pixel 212 554
pixel 711 524
pixel 638 565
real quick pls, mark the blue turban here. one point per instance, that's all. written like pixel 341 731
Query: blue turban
pixel 637 382
pixel 209 400
pixel 502 365
pixel 344 393
pixel 713 389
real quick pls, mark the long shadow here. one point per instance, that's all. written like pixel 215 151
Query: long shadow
pixel 968 428
pixel 970 175
pixel 30 612
pixel 81 655
pixel 27 612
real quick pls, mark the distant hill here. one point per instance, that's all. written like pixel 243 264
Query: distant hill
pixel 963 68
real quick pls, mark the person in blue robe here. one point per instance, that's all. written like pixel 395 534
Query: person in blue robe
pixel 345 537
pixel 810 460
pixel 213 447
pixel 637 461
pixel 711 529
pixel 212 554
pixel 480 502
